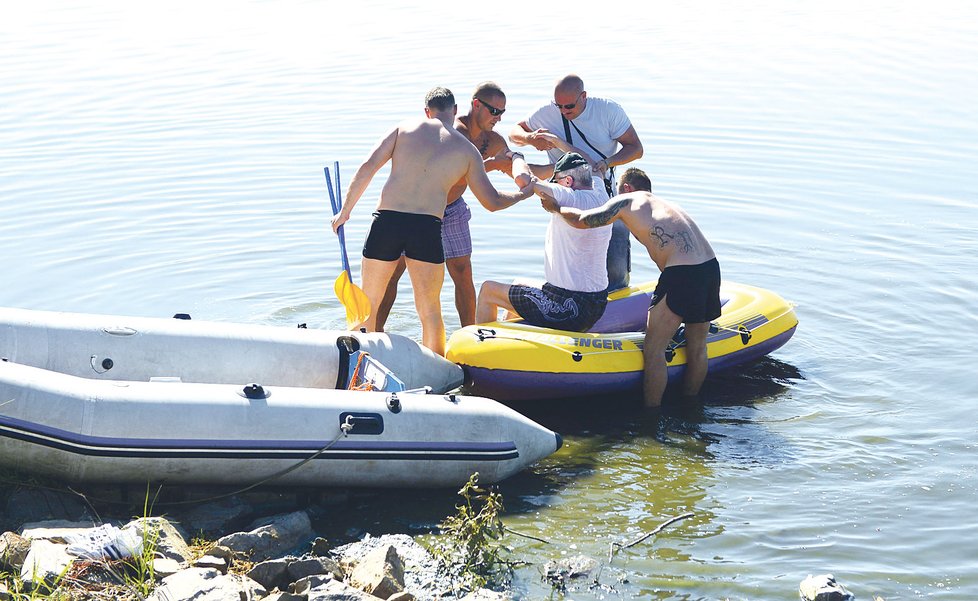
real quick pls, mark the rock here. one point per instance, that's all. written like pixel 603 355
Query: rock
pixel 210 561
pixel 401 596
pixel 200 584
pixel 823 588
pixel 571 568
pixel 162 537
pixel 13 550
pixel 45 562
pixel 221 551
pixel 380 573
pixel 320 546
pixel 304 585
pixel 55 531
pixel 284 597
pixel 484 594
pixel 313 566
pixel 275 537
pixel 213 519
pixel 334 590
pixel 26 505
pixel 164 566
pixel 270 574
pixel 420 567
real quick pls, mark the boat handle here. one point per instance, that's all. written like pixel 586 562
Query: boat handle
pixel 362 423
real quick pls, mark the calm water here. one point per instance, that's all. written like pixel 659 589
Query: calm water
pixel 157 158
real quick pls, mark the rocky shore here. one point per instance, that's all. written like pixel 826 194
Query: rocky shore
pixel 53 546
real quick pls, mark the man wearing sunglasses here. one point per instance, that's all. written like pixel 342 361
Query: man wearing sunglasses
pixel 601 130
pixel 428 158
pixel 486 109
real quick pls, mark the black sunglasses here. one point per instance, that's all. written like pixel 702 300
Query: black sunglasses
pixel 492 110
pixel 568 107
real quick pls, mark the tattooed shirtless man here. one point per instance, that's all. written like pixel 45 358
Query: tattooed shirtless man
pixel 689 284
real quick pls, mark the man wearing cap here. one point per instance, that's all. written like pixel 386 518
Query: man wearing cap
pixel 486 110
pixel 602 131
pixel 574 295
pixel 428 156
pixel 688 290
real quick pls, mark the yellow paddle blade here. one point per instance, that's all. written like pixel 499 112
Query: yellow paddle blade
pixel 354 299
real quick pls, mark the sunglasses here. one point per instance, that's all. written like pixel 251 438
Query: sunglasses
pixel 492 110
pixel 570 106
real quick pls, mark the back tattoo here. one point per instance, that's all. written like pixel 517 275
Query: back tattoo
pixel 683 240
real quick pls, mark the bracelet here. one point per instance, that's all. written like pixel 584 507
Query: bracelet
pixel 512 156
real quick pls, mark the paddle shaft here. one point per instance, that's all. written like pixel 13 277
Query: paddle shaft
pixel 337 203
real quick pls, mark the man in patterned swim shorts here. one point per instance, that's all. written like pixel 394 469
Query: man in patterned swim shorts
pixel 575 260
pixel 488 105
pixel 689 286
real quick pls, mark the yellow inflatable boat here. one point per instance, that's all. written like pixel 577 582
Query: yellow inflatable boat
pixel 510 360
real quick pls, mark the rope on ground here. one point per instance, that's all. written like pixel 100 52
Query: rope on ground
pixel 619 546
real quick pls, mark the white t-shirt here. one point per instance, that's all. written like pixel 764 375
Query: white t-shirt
pixel 602 122
pixel 576 259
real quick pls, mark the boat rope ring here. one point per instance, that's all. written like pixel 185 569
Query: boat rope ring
pixel 481 333
pixel 577 356
pixel 670 354
pixel 744 333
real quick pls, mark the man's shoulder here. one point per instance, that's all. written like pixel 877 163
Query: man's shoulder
pixel 546 114
pixel 584 198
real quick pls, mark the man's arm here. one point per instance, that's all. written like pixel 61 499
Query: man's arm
pixel 500 159
pixel 541 139
pixel 490 198
pixel 603 215
pixel 361 179
pixel 631 150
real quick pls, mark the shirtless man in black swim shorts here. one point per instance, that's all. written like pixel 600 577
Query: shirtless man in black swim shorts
pixel 689 284
pixel 428 157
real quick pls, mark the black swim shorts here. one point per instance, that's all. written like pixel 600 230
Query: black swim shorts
pixel 691 291
pixel 553 307
pixel 416 235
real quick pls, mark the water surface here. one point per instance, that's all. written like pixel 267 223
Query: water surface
pixel 168 158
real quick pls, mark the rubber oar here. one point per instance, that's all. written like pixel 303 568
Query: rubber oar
pixel 353 298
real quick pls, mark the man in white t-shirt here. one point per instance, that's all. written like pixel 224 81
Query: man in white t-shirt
pixel 600 129
pixel 574 295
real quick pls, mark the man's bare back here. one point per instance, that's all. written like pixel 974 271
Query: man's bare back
pixel 428 160
pixel 427 157
pixel 666 231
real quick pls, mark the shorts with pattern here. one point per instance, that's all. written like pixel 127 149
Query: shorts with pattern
pixel 456 238
pixel 554 307
pixel 416 235
pixel 691 291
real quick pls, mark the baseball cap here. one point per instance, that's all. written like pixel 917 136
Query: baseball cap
pixel 568 162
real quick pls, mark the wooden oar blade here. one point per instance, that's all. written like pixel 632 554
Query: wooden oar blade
pixel 354 300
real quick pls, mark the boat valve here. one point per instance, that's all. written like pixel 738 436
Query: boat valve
pixel 103 366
